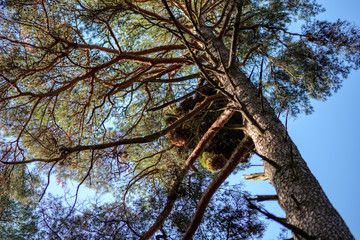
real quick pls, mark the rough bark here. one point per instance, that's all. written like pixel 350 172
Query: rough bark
pixel 300 195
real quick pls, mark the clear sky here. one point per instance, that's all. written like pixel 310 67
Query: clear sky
pixel 329 139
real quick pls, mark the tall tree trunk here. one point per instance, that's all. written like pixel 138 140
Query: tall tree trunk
pixel 300 195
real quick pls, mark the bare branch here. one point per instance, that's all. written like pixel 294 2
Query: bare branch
pixel 261 198
pixel 281 221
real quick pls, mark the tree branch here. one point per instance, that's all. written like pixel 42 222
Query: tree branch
pixel 261 198
pixel 172 195
pixel 224 173
pixel 176 100
pixel 235 35
pixel 281 221
pixel 150 137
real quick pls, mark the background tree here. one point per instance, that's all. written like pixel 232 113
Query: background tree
pixel 86 87
pixel 228 219
pixel 19 222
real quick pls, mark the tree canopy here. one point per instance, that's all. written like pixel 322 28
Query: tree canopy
pixel 159 102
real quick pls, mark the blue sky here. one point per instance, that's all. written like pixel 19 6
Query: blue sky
pixel 328 139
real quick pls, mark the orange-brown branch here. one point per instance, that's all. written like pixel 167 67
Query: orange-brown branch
pixel 114 51
pixel 172 196
pixel 236 157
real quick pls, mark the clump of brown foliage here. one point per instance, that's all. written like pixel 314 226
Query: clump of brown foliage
pixel 188 134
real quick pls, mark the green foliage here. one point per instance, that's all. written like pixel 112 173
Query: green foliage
pixel 228 215
pixel 212 162
pixel 78 80
pixel 314 65
pixel 19 222
pixel 18 184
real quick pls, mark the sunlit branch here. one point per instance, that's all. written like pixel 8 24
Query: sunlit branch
pixel 172 195
pixel 208 5
pixel 248 54
pixel 176 100
pixel 230 166
pixel 67 86
pixel 125 56
pixel 174 80
pixel 66 151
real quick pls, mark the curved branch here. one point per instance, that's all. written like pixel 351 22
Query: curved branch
pixel 294 229
pixel 66 151
pixel 234 160
pixel 114 51
pixel 172 195
pixel 120 57
pixel 48 182
pixel 151 137
pixel 176 100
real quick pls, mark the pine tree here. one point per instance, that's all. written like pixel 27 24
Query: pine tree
pixel 132 91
